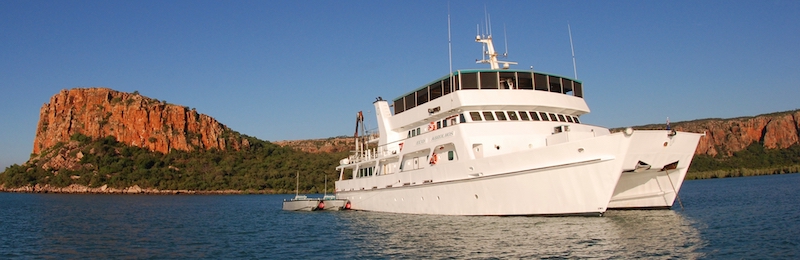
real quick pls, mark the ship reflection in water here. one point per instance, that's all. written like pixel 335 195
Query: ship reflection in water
pixel 619 234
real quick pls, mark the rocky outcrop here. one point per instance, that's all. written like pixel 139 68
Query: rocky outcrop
pixel 329 145
pixel 132 119
pixel 726 136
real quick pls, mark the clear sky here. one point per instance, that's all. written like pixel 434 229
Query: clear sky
pixel 285 70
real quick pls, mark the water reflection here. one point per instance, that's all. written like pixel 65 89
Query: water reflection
pixel 620 234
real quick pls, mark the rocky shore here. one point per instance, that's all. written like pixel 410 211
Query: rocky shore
pixel 80 189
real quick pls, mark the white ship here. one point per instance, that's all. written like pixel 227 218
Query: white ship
pixel 507 142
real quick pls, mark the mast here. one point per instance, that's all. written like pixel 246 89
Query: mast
pixel 493 62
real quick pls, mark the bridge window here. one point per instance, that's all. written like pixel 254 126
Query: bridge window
pixel 578 90
pixel 469 81
pixel 524 115
pixel 500 115
pixel 561 118
pixel 541 82
pixel 555 84
pixel 567 84
pixel 475 116
pixel 436 90
pixel 569 119
pixel 399 106
pixel 553 117
pixel 487 115
pixel 544 116
pixel 524 80
pixel 535 116
pixel 512 115
pixel 488 80
pixel 508 80
pixel 422 96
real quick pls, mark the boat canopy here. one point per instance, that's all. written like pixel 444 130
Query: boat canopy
pixel 488 79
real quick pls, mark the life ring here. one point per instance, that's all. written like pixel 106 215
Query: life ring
pixel 434 159
pixel 431 126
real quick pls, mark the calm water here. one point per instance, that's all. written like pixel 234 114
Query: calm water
pixel 753 217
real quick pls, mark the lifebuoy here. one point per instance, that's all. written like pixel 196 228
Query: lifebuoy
pixel 434 159
pixel 431 126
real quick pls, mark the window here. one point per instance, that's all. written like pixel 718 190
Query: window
pixel 464 119
pixel 475 116
pixel 561 118
pixel 540 81
pixel 569 119
pixel 555 84
pixel 488 80
pixel 444 123
pixel 525 80
pixel 409 134
pixel 469 81
pixel 488 116
pixel 535 116
pixel 576 119
pixel 524 115
pixel 500 115
pixel 512 115
pixel 438 124
pixel 508 80
pixel 553 117
pixel 450 155
pixel 436 90
pixel 418 132
pixel 398 106
pixel 544 116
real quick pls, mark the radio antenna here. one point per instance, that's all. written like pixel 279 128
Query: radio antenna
pixel 574 67
pixel 505 40
pixel 449 47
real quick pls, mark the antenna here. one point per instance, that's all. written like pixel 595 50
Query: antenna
pixel 574 67
pixel 449 46
pixel 505 40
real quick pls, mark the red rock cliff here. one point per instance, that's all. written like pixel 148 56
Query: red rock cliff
pixel 726 136
pixel 133 119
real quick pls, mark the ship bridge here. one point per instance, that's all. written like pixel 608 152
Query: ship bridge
pixel 488 80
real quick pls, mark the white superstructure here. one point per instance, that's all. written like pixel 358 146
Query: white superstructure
pixel 507 142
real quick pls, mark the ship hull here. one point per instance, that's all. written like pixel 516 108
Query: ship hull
pixel 658 186
pixel 580 177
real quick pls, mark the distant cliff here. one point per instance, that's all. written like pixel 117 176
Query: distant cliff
pixel 328 145
pixel 132 119
pixel 726 136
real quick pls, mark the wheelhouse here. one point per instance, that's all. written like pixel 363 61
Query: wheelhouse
pixel 488 79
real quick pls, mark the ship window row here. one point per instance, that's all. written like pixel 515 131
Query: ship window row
pixel 446 122
pixel 521 116
pixel 366 172
pixel 489 80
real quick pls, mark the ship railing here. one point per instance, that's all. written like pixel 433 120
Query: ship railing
pixel 372 153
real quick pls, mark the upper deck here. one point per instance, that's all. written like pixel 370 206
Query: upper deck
pixel 488 79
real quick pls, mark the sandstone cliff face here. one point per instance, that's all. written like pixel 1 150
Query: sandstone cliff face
pixel 133 119
pixel 726 136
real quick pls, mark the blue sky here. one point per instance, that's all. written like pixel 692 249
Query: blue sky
pixel 285 70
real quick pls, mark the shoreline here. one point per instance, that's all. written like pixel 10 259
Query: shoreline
pixel 135 189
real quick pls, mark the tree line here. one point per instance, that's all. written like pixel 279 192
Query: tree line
pixel 263 166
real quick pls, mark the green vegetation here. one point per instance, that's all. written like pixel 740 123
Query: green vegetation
pixel 262 167
pixel 755 160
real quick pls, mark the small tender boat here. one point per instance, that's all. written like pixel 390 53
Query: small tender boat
pixel 331 202
pixel 301 202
